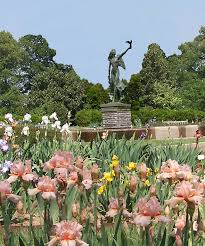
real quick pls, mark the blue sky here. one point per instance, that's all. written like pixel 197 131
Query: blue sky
pixel 84 31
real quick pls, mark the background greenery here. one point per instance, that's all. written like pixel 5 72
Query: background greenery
pixel 32 81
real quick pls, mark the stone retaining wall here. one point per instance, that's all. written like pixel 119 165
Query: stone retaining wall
pixel 160 132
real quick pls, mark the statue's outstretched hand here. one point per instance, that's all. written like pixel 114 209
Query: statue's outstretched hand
pixel 130 43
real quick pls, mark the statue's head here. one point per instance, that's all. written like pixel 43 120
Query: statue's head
pixel 112 54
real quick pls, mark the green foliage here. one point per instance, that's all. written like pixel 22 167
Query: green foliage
pixel 154 70
pixel 193 89
pixel 134 90
pixel 145 114
pixel 31 80
pixel 56 90
pixel 95 95
pixel 86 117
pixel 11 54
pixel 13 101
pixel 189 67
pixel 39 56
pixel 11 57
pixel 165 96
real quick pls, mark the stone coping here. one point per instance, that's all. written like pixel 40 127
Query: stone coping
pixel 115 104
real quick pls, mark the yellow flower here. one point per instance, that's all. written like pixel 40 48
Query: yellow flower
pixel 147 183
pixel 148 171
pixel 115 163
pixel 131 166
pixel 101 189
pixel 109 176
pixel 114 158
pixel 156 170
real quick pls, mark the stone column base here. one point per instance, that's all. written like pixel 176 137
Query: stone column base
pixel 116 115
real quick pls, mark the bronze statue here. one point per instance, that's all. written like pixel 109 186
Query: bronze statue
pixel 116 85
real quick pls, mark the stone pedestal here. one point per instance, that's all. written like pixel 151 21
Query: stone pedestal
pixel 116 115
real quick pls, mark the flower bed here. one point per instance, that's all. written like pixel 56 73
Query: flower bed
pixel 100 198
pixel 105 192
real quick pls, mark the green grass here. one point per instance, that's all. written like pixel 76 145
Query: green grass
pixel 174 141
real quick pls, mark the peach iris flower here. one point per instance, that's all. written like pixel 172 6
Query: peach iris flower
pixel 79 163
pixel 148 210
pixel 114 209
pixel 188 192
pixel 46 186
pixel 172 170
pixel 143 171
pixel 68 233
pixel 73 178
pixel 87 179
pixel 61 174
pixel 19 170
pixel 62 159
pixel 95 172
pixel 6 192
pixel 180 223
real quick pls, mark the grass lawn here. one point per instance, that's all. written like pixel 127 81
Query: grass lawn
pixel 175 141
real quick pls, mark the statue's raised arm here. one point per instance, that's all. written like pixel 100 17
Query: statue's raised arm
pixel 129 48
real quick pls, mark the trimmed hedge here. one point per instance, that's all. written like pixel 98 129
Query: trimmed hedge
pixel 88 117
pixel 145 114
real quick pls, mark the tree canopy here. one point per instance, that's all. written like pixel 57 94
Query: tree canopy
pixel 31 80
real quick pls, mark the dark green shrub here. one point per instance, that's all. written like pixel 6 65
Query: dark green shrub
pixel 145 114
pixel 36 118
pixel 88 117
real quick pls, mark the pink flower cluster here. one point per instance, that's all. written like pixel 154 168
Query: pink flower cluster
pixel 172 170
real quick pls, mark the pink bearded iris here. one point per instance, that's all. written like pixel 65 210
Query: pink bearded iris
pixel 62 159
pixel 72 178
pixel 46 186
pixel 61 174
pixel 6 192
pixel 148 210
pixel 188 192
pixel 114 209
pixel 19 170
pixel 172 170
pixel 87 179
pixel 143 171
pixel 67 233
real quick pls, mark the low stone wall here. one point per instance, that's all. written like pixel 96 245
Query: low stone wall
pixel 164 132
pixel 160 132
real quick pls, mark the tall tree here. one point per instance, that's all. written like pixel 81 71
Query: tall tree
pixel 155 69
pixel 193 55
pixel 165 96
pixel 55 87
pixel 11 57
pixel 39 57
pixel 134 90
pixel 193 94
